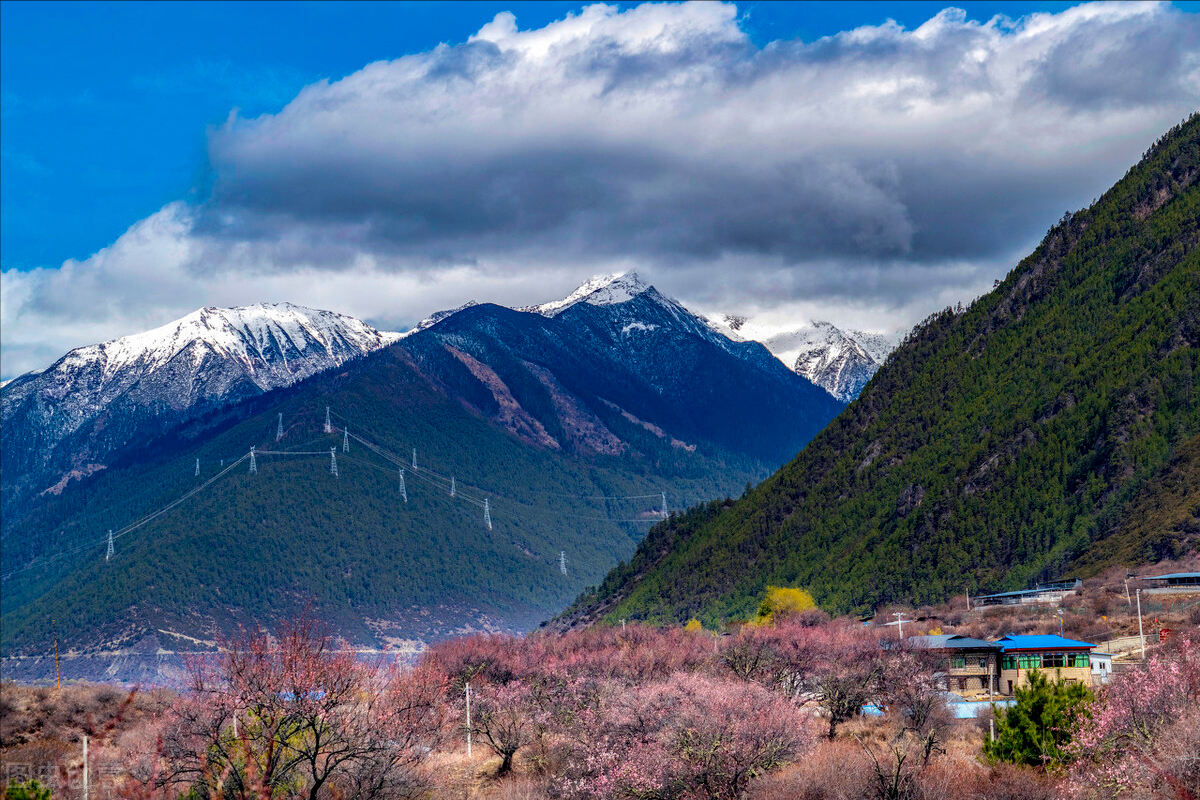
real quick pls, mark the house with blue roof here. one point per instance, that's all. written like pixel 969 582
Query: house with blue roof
pixel 1057 658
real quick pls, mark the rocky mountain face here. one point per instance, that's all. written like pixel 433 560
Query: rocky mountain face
pixel 99 401
pixel 618 353
pixel 839 361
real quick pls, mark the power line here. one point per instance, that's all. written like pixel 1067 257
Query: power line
pixel 450 484
pixel 128 528
pixel 448 480
pixel 428 476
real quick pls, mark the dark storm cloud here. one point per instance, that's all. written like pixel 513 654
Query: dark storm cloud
pixel 661 135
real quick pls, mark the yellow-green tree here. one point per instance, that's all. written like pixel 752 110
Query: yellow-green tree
pixel 781 602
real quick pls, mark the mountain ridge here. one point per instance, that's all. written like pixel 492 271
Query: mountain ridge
pixel 999 444
pixel 571 426
pixel 99 400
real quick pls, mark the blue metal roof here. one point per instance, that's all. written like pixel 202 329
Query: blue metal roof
pixel 1046 642
pixel 1005 594
pixel 1172 575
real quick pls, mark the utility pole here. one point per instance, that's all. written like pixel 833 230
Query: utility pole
pixel 968 598
pixel 85 768
pixel 1128 601
pixel 468 719
pixel 1060 623
pixel 1141 633
pixel 57 674
pixel 899 615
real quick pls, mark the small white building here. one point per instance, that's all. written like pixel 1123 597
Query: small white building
pixel 1101 667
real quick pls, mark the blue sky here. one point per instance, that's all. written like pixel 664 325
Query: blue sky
pixel 781 161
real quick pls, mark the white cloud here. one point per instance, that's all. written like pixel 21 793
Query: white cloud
pixel 875 174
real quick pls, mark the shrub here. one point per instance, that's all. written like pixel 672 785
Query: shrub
pixel 1036 730
pixel 27 790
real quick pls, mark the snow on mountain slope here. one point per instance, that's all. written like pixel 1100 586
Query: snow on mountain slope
pixel 827 356
pixel 840 361
pixel 619 289
pixel 122 388
pixel 601 290
pixel 272 342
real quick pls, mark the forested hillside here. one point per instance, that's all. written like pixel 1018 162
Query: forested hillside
pixel 562 425
pixel 1048 429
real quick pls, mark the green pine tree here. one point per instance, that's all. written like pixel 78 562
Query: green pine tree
pixel 1036 730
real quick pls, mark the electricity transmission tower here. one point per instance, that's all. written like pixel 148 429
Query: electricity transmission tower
pixel 109 554
pixel 197 468
pixel 452 486
pixel 328 427
pixel 403 491
pixel 664 505
pixel 253 463
pixel 414 458
pixel 562 561
pixel 346 441
pixel 487 514
pixel 279 431
pixel 333 461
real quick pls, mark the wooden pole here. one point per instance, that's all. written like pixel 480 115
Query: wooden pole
pixel 57 674
pixel 1141 633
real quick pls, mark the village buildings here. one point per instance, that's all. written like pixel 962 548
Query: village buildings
pixel 974 667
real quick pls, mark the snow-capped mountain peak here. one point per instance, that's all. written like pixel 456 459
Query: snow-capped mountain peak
pixel 601 290
pixel 841 361
pixel 244 334
pixel 105 396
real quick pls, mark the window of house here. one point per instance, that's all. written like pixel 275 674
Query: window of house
pixel 983 663
pixel 1054 660
pixel 958 662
